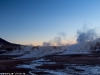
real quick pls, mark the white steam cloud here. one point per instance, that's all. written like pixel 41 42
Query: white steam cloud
pixel 58 40
pixel 83 35
pixel 86 35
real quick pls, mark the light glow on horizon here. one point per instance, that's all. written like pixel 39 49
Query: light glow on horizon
pixel 38 21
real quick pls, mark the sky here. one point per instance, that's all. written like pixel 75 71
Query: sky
pixel 36 21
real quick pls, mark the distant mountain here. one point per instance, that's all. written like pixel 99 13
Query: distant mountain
pixel 3 41
pixel 7 45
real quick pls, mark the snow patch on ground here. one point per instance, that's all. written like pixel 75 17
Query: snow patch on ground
pixel 56 72
pixel 35 63
pixel 71 69
pixel 26 66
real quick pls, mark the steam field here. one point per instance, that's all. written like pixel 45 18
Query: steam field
pixel 77 59
pixel 49 37
pixel 81 58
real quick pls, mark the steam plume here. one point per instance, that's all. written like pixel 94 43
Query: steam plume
pixel 58 40
pixel 86 35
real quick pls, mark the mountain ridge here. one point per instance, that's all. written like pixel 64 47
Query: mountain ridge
pixel 7 45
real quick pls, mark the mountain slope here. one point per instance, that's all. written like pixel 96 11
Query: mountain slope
pixel 7 45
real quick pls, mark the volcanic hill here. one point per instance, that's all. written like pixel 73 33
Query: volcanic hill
pixel 7 45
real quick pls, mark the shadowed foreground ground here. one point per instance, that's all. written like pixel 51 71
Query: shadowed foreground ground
pixel 7 64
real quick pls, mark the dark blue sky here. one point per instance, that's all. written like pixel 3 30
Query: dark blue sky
pixel 36 21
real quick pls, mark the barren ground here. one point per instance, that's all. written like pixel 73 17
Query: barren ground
pixel 7 64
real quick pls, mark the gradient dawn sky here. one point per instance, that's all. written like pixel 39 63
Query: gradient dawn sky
pixel 36 21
